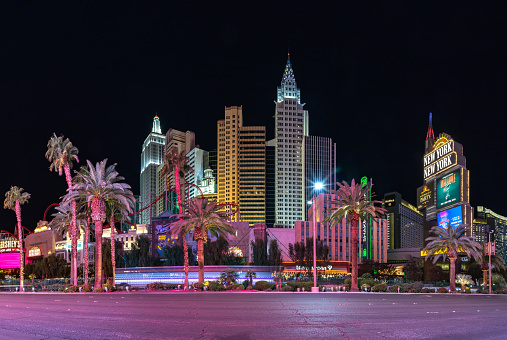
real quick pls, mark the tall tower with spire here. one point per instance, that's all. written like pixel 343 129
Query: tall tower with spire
pixel 291 126
pixel 152 156
pixel 430 136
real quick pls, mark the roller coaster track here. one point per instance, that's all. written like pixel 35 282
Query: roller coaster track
pixel 231 206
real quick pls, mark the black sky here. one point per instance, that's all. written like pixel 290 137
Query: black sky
pixel 369 73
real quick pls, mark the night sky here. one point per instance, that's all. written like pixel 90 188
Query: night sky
pixel 369 72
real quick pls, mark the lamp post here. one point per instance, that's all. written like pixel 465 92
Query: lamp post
pixel 489 258
pixel 315 289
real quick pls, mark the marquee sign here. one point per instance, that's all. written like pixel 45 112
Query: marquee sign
pixel 425 195
pixel 440 159
pixel 9 244
pixel 449 189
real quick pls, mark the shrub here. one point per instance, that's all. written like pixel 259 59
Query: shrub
pixel 72 289
pixel 99 290
pixel 467 290
pixel 233 286
pixel 86 288
pixel 442 290
pixel 109 285
pixel 287 288
pixel 416 287
pixel 264 285
pixel 362 283
pixel 404 287
pixel 366 276
pixel 379 287
pixel 347 281
pixel 161 286
pixel 199 286
pixel 246 283
pixel 427 290
pixel 393 289
pixel 240 287
pixel 249 288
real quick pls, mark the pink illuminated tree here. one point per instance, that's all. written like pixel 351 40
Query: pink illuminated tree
pixel 61 153
pixel 353 204
pixel 14 199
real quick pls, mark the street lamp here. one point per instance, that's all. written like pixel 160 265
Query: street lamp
pixel 489 258
pixel 315 289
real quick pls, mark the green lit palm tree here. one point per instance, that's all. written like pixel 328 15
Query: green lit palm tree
pixel 14 199
pixel 353 203
pixel 97 185
pixel 449 242
pixel 202 216
pixel 176 162
pixel 61 153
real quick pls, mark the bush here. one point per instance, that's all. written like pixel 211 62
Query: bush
pixel 99 290
pixel 86 288
pixel 442 290
pixel 427 290
pixel 379 287
pixel 233 286
pixel 362 283
pixel 348 281
pixel 264 285
pixel 249 288
pixel 246 283
pixel 109 285
pixel 72 289
pixel 287 288
pixel 467 290
pixel 303 286
pixel 393 289
pixel 404 287
pixel 240 287
pixel 366 276
pixel 416 287
pixel 161 286
pixel 199 286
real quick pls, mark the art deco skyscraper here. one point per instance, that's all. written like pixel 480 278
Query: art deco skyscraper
pixel 151 157
pixel 291 125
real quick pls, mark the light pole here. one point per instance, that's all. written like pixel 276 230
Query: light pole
pixel 315 289
pixel 489 258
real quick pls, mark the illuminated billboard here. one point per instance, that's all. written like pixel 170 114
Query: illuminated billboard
pixel 451 217
pixel 449 189
pixel 425 195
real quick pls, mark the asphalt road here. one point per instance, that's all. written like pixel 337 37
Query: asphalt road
pixel 247 315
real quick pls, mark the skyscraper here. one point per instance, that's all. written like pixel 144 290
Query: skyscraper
pixel 291 125
pixel 404 223
pixel 252 174
pixel 319 166
pixel 151 157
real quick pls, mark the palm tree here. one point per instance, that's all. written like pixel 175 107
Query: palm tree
pixel 118 212
pixel 353 204
pixel 496 263
pixel 448 242
pixel 61 153
pixel 176 162
pixel 202 216
pixel 97 185
pixel 14 199
pixel 251 274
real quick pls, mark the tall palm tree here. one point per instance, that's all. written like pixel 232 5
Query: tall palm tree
pixel 97 185
pixel 353 203
pixel 202 216
pixel 117 212
pixel 61 153
pixel 176 162
pixel 14 199
pixel 448 242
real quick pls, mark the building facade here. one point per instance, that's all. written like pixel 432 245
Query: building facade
pixel 252 174
pixel 404 223
pixel 338 236
pixel 152 156
pixel 291 126
pixel 319 166
pixel 496 222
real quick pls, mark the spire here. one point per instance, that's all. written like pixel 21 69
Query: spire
pixel 288 73
pixel 430 133
pixel 156 125
pixel 430 136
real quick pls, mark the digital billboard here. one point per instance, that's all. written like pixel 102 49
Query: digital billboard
pixel 450 217
pixel 425 195
pixel 449 189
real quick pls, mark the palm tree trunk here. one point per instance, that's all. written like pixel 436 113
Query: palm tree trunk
pixel 452 270
pixel 85 246
pixel 98 255
pixel 20 240
pixel 73 230
pixel 113 262
pixel 484 278
pixel 180 210
pixel 200 259
pixel 354 246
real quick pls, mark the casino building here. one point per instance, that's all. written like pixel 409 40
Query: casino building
pixel 444 196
